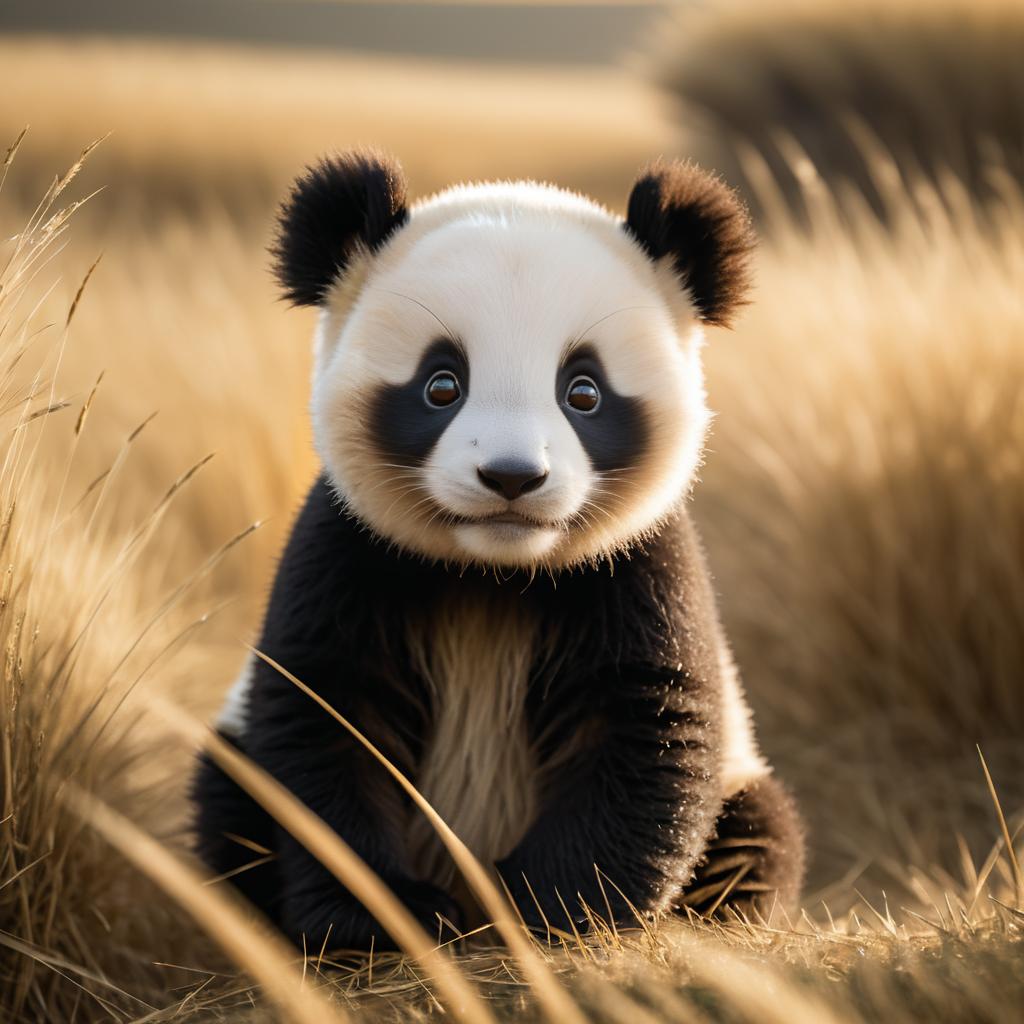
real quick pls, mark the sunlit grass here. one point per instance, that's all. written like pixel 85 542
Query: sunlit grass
pixel 862 504
pixel 938 84
pixel 73 650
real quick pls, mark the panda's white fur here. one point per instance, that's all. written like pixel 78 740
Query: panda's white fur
pixel 517 272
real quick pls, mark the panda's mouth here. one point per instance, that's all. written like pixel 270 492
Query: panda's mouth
pixel 505 538
pixel 510 519
pixel 513 519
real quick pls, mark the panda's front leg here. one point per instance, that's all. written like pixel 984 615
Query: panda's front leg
pixel 317 912
pixel 632 815
pixel 314 757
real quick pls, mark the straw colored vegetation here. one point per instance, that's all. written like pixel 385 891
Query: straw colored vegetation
pixel 939 84
pixel 862 504
pixel 199 125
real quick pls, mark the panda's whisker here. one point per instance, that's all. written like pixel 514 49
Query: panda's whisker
pixel 589 502
pixel 616 497
pixel 580 338
pixel 439 513
pixel 416 487
pixel 404 484
pixel 399 498
pixel 391 485
pixel 449 333
pixel 591 516
pixel 427 522
pixel 608 513
pixel 580 517
pixel 396 478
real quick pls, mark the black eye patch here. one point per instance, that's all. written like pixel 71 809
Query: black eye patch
pixel 615 434
pixel 405 427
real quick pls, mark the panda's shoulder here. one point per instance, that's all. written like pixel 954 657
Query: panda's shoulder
pixel 323 532
pixel 672 553
pixel 670 569
pixel 331 561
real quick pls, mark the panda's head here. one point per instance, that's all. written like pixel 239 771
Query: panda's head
pixel 508 374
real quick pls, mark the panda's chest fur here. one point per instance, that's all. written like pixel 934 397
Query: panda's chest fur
pixel 478 768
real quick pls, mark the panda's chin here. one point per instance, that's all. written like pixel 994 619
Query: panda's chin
pixel 506 543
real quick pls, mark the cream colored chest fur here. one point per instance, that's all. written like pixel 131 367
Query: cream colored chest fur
pixel 477 770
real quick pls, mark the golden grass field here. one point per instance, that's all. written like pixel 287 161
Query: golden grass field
pixel 936 82
pixel 862 504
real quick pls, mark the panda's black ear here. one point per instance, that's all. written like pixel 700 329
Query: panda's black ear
pixel 342 203
pixel 679 211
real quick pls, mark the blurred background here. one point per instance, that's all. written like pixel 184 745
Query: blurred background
pixel 863 497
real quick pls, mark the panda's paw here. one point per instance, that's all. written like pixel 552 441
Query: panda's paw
pixel 332 925
pixel 438 913
pixel 341 922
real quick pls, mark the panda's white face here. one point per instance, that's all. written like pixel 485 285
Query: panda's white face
pixel 510 382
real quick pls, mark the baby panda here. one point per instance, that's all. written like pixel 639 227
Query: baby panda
pixel 496 576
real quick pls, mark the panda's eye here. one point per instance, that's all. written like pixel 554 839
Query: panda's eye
pixel 582 395
pixel 443 389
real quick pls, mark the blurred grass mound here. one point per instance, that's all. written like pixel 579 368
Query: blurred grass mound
pixel 937 85
pixel 81 627
pixel 863 504
pixel 200 127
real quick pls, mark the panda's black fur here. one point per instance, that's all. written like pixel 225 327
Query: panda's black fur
pixel 357 199
pixel 629 709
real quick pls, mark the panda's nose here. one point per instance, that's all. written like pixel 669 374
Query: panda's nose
pixel 512 478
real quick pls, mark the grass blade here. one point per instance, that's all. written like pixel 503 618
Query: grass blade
pixel 554 1001
pixel 1018 879
pixel 338 857
pixel 251 945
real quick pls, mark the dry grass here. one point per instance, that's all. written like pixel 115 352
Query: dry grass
pixel 862 503
pixel 864 508
pixel 74 646
pixel 218 128
pixel 939 84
